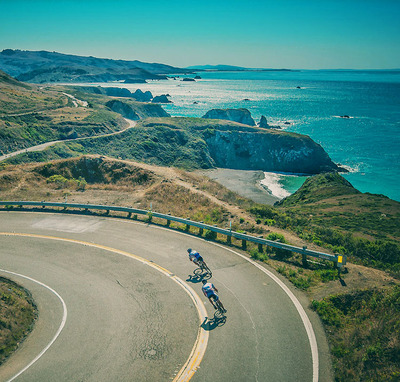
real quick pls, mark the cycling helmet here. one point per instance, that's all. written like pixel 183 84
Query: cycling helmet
pixel 189 250
pixel 204 281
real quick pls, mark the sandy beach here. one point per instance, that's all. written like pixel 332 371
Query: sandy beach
pixel 245 183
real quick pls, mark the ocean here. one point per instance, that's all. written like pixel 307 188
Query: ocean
pixel 309 102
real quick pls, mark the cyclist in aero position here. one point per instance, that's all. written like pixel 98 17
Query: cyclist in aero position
pixel 194 256
pixel 209 291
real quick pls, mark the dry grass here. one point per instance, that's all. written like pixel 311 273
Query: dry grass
pixel 17 315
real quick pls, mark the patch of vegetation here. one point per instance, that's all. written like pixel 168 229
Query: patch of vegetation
pixel 60 182
pixel 155 145
pixel 362 329
pixel 17 315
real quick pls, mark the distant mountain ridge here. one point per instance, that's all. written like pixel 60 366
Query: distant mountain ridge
pixel 43 66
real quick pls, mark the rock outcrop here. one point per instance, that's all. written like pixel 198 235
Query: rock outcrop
pixel 135 111
pixel 235 115
pixel 124 109
pixel 117 92
pixel 263 123
pixel 138 95
pixel 268 151
pixel 161 99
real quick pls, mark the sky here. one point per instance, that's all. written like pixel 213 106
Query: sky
pixel 293 34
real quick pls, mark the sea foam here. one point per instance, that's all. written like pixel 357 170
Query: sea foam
pixel 272 184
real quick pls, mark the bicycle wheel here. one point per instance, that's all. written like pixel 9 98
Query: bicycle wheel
pixel 220 309
pixel 204 267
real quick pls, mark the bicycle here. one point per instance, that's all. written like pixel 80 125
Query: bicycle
pixel 203 266
pixel 219 306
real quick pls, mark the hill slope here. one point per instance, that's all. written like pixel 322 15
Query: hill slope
pixel 329 211
pixel 42 66
pixel 194 143
pixel 30 114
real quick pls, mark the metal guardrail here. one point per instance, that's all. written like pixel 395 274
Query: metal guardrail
pixel 340 260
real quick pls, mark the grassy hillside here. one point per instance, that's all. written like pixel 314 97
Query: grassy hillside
pixel 191 143
pixel 18 97
pixel 177 142
pixel 328 211
pixel 30 115
pixel 363 331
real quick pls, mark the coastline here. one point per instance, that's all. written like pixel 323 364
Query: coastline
pixel 244 182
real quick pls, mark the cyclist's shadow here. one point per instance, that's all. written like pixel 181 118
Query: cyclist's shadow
pixel 213 323
pixel 198 276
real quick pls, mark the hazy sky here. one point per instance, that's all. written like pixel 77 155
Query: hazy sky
pixel 270 34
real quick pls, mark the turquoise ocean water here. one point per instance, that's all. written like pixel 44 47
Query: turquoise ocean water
pixel 367 143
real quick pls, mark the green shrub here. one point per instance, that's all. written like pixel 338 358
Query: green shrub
pixel 210 235
pixel 58 180
pixel 329 314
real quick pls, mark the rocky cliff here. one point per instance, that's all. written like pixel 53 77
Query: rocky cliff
pixel 124 109
pixel 136 110
pixel 268 151
pixel 138 95
pixel 237 115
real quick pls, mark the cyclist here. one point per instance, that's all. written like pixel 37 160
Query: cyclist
pixel 209 291
pixel 195 257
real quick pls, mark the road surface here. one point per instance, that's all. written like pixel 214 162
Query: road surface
pixel 113 317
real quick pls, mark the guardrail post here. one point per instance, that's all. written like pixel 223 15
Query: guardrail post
pixel 304 258
pixel 244 244
pixel 168 221
pixel 107 212
pixel 129 215
pixel 201 230
pixel 229 239
pixel 187 228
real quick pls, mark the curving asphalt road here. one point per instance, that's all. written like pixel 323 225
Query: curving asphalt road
pixel 128 317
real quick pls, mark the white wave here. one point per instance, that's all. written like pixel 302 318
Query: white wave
pixel 351 169
pixel 272 183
